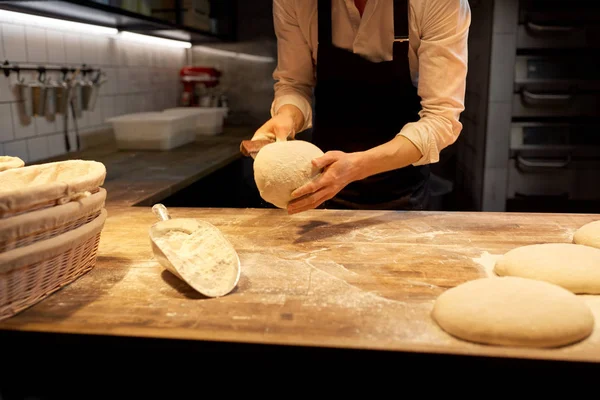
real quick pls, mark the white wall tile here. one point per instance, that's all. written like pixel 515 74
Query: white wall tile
pixel 120 105
pixel 56 144
pixel 43 126
pixel 89 50
pixel 104 51
pixel 38 148
pixel 2 58
pixel 73 49
pixel 24 127
pixel 113 49
pixel 95 116
pixel 112 82
pixel 56 47
pixel 6 123
pixel 124 85
pixel 107 106
pixel 123 53
pixel 15 48
pixel 17 149
pixel 36 44
pixel 6 93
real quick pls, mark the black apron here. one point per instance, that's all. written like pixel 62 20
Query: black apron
pixel 361 104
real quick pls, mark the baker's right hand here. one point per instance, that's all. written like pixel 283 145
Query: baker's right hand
pixel 279 128
pixel 282 126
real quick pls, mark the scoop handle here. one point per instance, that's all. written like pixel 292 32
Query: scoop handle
pixel 161 212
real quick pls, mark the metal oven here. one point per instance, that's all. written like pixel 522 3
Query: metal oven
pixel 554 161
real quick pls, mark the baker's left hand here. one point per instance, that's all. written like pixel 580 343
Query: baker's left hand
pixel 339 169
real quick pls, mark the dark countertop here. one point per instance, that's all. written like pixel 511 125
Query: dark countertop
pixel 137 177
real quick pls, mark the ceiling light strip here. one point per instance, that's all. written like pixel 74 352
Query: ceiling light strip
pixel 233 54
pixel 53 23
pixel 146 39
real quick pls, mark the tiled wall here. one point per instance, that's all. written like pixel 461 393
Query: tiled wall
pixel 140 78
pixel 248 84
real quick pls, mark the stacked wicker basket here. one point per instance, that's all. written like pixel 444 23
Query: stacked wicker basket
pixel 51 218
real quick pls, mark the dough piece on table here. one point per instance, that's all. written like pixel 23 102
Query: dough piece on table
pixel 574 267
pixel 513 311
pixel 10 162
pixel 282 167
pixel 588 235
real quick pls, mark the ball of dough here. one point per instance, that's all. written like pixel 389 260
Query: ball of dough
pixel 588 235
pixel 513 311
pixel 574 267
pixel 282 167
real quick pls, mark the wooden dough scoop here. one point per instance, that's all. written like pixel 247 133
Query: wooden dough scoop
pixel 196 252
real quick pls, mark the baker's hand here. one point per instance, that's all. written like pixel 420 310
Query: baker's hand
pixel 339 169
pixel 278 128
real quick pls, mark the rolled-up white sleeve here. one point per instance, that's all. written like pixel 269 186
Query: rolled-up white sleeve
pixel 294 73
pixel 442 58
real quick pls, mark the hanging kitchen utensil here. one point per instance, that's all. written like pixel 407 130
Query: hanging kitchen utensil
pixel 51 88
pixel 62 97
pixel 38 94
pixel 24 90
pixel 76 98
pixel 91 90
pixel 196 252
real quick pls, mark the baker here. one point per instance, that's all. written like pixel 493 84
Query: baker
pixel 389 84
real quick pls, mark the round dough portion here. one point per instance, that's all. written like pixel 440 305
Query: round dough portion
pixel 10 162
pixel 282 167
pixel 574 267
pixel 588 235
pixel 513 311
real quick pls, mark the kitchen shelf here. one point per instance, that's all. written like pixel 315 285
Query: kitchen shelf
pixel 114 17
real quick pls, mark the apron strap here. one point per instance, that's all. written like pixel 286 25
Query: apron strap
pixel 401 20
pixel 324 21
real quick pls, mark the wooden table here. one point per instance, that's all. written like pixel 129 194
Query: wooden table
pixel 324 279
pixel 342 279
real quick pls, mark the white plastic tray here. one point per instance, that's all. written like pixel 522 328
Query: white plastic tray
pixel 209 120
pixel 153 130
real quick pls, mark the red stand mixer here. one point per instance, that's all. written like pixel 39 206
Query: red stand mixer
pixel 199 85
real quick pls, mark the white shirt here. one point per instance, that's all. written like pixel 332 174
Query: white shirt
pixel 438 32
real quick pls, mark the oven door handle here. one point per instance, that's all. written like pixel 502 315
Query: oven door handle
pixel 549 29
pixel 543 164
pixel 545 98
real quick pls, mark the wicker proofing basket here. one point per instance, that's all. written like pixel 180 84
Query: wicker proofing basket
pixel 45 185
pixel 25 229
pixel 30 274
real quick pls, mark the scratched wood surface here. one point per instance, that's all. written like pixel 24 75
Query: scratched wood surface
pixel 321 278
pixel 144 177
